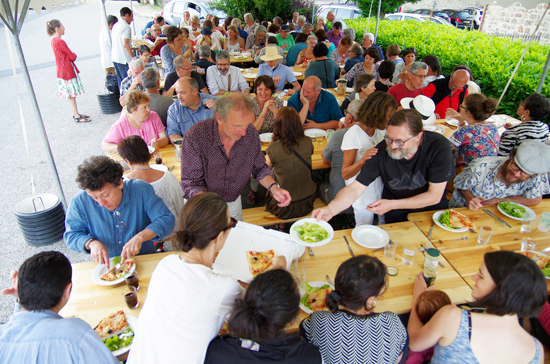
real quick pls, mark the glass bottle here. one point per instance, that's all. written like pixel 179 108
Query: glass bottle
pixel 431 261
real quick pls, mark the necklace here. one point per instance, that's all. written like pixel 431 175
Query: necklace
pixel 143 168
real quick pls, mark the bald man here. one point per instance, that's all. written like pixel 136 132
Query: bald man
pixel 317 108
pixel 448 92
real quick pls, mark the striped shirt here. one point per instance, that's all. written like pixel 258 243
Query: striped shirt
pixel 514 136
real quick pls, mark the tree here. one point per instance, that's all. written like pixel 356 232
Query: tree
pixel 388 6
pixel 260 9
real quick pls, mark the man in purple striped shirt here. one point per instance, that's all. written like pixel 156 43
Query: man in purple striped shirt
pixel 219 155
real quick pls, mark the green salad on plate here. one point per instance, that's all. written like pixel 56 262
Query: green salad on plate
pixel 512 208
pixel 120 341
pixel 309 290
pixel 311 233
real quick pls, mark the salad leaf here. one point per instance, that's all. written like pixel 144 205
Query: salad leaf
pixel 118 342
pixel 117 260
pixel 310 290
pixel 444 219
pixel 512 208
pixel 311 233
pixel 546 271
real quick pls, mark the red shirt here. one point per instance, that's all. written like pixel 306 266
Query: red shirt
pixel 447 101
pixel 156 50
pixel 64 59
pixel 400 91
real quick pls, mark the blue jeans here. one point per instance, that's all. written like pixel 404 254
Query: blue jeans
pixel 121 72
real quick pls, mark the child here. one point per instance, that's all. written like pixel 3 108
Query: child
pixel 427 305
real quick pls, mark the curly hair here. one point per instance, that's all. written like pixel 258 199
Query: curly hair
pixel 538 106
pixel 96 171
pixel 135 98
pixel 288 128
pixel 172 33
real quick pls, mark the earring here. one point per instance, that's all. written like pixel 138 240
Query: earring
pixel 523 117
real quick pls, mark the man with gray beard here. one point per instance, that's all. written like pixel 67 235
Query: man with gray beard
pixel 415 167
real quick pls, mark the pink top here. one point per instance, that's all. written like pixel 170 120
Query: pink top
pixel 122 128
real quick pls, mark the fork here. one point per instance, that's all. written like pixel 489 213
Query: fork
pixel 310 252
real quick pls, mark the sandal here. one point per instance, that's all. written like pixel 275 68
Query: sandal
pixel 251 198
pixel 82 119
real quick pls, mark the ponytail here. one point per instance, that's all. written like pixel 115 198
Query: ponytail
pixel 51 25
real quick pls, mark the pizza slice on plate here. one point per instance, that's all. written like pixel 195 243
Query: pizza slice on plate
pixel 460 221
pixel 112 325
pixel 113 274
pixel 317 299
pixel 259 262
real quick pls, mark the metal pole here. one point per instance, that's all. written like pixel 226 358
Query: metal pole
pixel 133 21
pixel 313 14
pixel 544 73
pixel 377 20
pixel 15 36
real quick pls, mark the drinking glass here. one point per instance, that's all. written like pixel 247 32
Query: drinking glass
pixel 132 280
pixel 299 269
pixel 389 249
pixel 130 296
pixel 528 245
pixel 485 233
pixel 408 253
pixel 320 139
pixel 529 223
pixel 158 157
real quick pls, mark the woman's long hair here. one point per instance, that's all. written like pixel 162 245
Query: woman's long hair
pixel 288 128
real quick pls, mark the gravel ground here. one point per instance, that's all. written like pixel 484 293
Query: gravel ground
pixel 70 143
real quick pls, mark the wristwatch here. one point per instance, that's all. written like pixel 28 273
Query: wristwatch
pixel 273 184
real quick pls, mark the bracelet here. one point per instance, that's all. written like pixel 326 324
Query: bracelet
pixel 271 185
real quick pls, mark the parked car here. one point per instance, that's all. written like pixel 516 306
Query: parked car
pixel 417 17
pixel 476 14
pixel 173 11
pixel 459 18
pixel 440 14
pixel 341 11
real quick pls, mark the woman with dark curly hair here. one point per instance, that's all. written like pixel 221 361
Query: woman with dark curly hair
pixel 509 285
pixel 257 323
pixel 369 66
pixel 290 157
pixel 401 73
pixel 352 332
pixel 186 301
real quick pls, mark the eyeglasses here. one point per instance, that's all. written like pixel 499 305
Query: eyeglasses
pixel 231 224
pixel 463 107
pixel 398 142
pixel 122 224
pixel 515 168
pixel 419 76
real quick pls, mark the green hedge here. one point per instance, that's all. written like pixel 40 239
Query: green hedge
pixel 491 59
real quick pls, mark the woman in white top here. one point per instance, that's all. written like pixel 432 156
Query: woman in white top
pixel 358 146
pixel 233 43
pixel 187 302
pixel 136 154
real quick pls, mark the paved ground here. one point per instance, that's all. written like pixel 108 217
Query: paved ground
pixel 71 143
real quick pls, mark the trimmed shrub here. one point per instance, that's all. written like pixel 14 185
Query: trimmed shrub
pixel 261 9
pixel 491 59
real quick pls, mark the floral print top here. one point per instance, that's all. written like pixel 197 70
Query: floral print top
pixel 475 141
pixel 267 126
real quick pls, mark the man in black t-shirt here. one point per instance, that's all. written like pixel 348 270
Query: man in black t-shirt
pixel 414 165
pixel 183 69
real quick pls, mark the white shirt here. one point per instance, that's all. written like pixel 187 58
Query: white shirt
pixel 185 309
pixel 105 47
pixel 121 30
pixel 215 43
pixel 217 35
pixel 217 82
pixel 169 190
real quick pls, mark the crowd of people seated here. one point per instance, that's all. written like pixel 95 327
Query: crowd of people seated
pixel 384 165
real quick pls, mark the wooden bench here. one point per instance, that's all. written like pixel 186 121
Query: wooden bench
pixel 259 216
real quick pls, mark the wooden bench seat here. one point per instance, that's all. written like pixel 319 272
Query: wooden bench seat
pixel 259 216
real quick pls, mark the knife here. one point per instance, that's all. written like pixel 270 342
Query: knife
pixel 349 247
pixel 330 281
pixel 431 229
pixel 171 169
pixel 490 213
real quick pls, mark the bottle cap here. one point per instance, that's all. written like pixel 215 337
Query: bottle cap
pixel 433 252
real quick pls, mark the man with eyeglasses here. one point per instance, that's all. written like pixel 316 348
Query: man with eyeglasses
pixel 221 153
pixel 183 68
pixel 521 178
pixel 414 165
pixel 156 38
pixel 448 92
pixel 225 78
pixel 412 87
pixel 111 217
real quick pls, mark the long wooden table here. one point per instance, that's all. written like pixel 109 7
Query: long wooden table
pixel 467 255
pixel 91 302
pixel 250 73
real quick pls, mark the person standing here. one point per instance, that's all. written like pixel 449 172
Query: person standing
pixel 68 80
pixel 105 44
pixel 122 52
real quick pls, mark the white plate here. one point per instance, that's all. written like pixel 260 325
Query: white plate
pixel 436 216
pixel 100 270
pixel 494 119
pixel 299 250
pixel 314 133
pixel 315 284
pixel 159 167
pixel 266 137
pixel 435 128
pixel 349 90
pixel 528 213
pixel 297 74
pixel 240 57
pixel 132 323
pixel 370 236
pixel 250 75
pixel 294 234
pixel 453 122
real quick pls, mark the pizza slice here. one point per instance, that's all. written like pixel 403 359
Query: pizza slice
pixel 259 262
pixel 112 325
pixel 113 274
pixel 317 299
pixel 459 220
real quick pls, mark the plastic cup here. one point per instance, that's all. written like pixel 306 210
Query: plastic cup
pixel 528 245
pixel 544 224
pixel 529 223
pixel 409 252
pixel 389 249
pixel 329 133
pixel 299 269
pixel 130 296
pixel 485 233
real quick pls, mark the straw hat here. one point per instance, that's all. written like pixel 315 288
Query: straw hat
pixel 271 54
